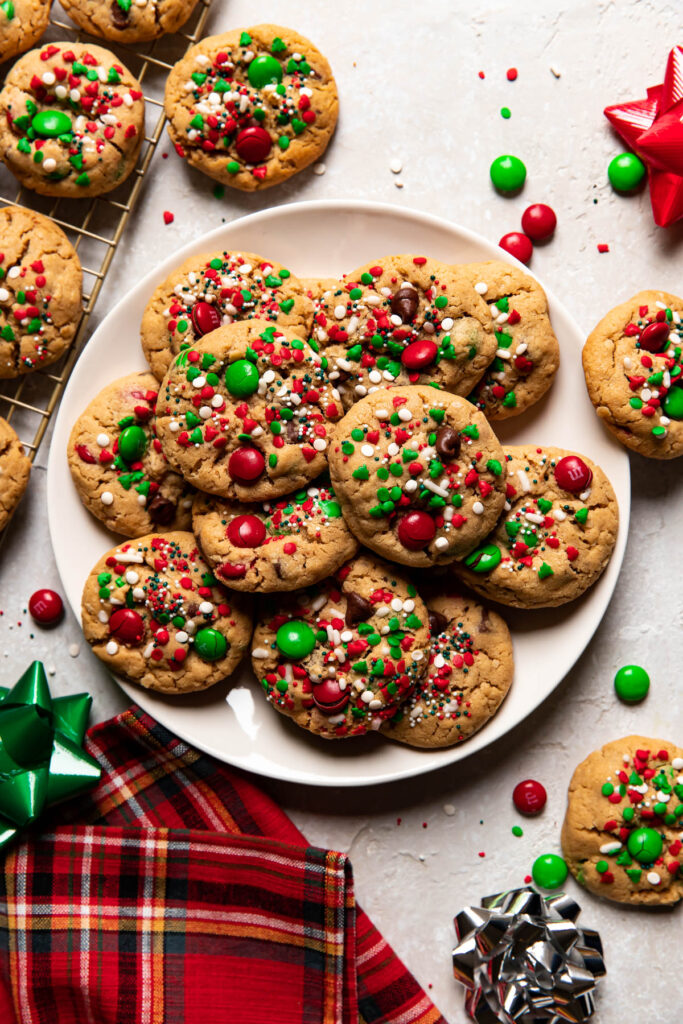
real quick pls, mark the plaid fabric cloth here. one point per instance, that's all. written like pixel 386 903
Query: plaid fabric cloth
pixel 178 893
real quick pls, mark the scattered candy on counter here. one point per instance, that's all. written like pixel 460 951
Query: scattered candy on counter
pixel 626 172
pixel 46 607
pixel 549 871
pixel 508 173
pixel 518 245
pixel 529 797
pixel 539 222
pixel 631 684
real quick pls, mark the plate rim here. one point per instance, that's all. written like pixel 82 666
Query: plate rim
pixel 149 281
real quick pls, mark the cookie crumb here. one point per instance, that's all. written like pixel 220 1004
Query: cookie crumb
pixel 398 184
pixel 449 809
pixel 555 73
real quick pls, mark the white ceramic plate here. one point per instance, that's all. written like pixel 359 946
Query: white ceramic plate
pixel 232 721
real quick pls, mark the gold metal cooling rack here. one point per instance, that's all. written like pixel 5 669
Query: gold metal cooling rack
pixel 94 226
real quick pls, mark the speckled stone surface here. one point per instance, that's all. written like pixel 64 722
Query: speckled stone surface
pixel 413 876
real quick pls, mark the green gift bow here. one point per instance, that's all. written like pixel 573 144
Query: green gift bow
pixel 41 755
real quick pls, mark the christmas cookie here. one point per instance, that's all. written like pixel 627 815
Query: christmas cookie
pixel 633 364
pixel 470 672
pixel 154 613
pixel 72 120
pixel 40 292
pixel 22 23
pixel 341 657
pixel 129 21
pixel 252 107
pixel 118 466
pixel 404 320
pixel 528 353
pixel 556 534
pixel 15 468
pixel 246 412
pixel 283 544
pixel 623 832
pixel 210 291
pixel 419 473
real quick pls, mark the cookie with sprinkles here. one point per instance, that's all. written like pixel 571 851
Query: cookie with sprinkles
pixel 633 364
pixel 154 613
pixel 246 412
pixel 340 657
pixel 22 23
pixel 129 21
pixel 40 292
pixel 419 474
pixel 555 536
pixel 252 107
pixel 15 469
pixel 403 320
pixel 315 287
pixel 283 544
pixel 118 466
pixel 622 835
pixel 470 672
pixel 528 354
pixel 72 120
pixel 214 290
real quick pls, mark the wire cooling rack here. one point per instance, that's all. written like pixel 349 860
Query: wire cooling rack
pixel 94 226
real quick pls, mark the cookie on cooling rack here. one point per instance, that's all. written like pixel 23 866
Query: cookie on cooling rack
pixel 40 292
pixel 22 23
pixel 252 107
pixel 72 120
pixel 129 21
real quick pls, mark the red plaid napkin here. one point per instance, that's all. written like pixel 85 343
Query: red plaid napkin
pixel 185 896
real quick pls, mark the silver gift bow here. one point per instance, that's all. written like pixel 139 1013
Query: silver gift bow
pixel 522 957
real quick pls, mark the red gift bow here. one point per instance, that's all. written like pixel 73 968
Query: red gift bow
pixel 653 127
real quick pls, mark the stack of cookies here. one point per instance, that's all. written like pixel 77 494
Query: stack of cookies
pixel 320 445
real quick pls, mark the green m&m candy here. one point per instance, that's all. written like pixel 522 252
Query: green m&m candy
pixel 672 403
pixel 625 172
pixel 295 639
pixel 484 559
pixel 508 173
pixel 645 845
pixel 264 70
pixel 631 684
pixel 132 444
pixel 48 124
pixel 210 645
pixel 549 871
pixel 241 378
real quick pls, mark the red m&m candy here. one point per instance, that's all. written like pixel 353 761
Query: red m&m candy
pixel 529 797
pixel 253 144
pixel 572 474
pixel 46 607
pixel 518 245
pixel 539 222
pixel 329 698
pixel 126 625
pixel 246 531
pixel 655 337
pixel 419 355
pixel 246 465
pixel 205 318
pixel 416 530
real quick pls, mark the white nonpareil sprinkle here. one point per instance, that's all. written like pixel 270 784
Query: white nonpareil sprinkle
pixel 4 295
pixel 653 878
pixel 441 543
pixel 481 287
pixel 677 764
pixel 523 480
pixel 366 696
pixel 367 450
pixel 182 637
pixel 102 439
pixel 259 653
pixel 447 323
pixel 396 166
pixel 107 498
pixel 112 647
pixel 397 604
pixel 533 517
pixel 320 444
pixel 319 168
pixel 449 809
pixel 611 847
pixel 478 508
pixel 74 650
pixel 132 576
pixel 405 415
